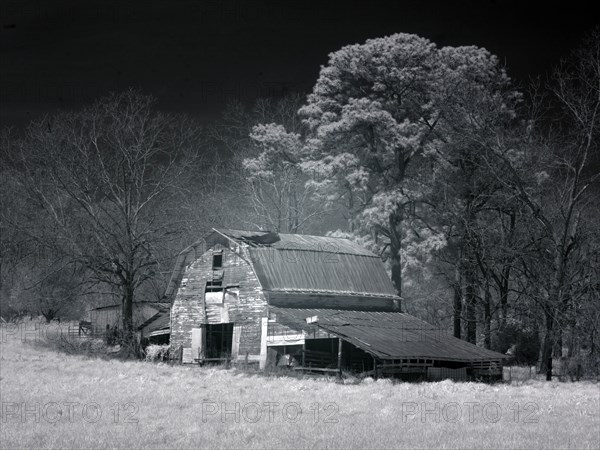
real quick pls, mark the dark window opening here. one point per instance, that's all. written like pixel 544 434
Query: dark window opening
pixel 217 261
pixel 159 339
pixel 214 286
pixel 219 339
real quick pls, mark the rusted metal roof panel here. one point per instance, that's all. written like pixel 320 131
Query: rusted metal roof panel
pixel 321 244
pixel 387 335
pixel 328 273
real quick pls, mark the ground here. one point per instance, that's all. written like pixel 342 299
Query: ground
pixel 51 399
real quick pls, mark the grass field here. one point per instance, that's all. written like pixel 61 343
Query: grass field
pixel 54 400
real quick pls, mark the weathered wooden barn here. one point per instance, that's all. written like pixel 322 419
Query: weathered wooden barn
pixel 310 302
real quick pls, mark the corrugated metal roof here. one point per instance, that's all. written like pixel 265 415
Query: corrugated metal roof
pixel 388 335
pixel 327 273
pixel 294 263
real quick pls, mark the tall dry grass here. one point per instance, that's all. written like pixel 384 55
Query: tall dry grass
pixel 51 399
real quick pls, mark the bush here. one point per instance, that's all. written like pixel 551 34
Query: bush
pixel 524 345
pixel 157 352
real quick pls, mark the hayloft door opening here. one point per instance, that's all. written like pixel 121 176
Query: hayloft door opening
pixel 219 339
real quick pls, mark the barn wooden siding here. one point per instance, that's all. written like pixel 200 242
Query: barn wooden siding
pixel 244 303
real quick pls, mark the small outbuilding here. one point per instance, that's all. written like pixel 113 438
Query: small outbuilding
pixel 107 317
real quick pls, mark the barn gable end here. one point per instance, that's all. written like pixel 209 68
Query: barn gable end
pixel 234 297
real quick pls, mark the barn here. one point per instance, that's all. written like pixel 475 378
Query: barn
pixel 311 303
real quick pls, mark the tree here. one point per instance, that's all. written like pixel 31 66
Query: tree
pixel 479 103
pixel 109 183
pixel 377 112
pixel 276 185
pixel 262 145
pixel 551 168
pixel 51 289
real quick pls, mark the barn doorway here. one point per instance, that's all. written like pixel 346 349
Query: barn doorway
pixel 219 340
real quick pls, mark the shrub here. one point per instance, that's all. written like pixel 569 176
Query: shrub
pixel 157 352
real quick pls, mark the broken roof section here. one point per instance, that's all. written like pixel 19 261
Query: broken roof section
pixel 160 323
pixel 298 242
pixel 302 264
pixel 386 335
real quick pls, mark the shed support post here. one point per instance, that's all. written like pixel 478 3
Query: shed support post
pixel 375 367
pixel 304 354
pixel 339 360
pixel 198 343
pixel 264 328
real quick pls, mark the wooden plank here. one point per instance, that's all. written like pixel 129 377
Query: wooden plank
pixel 186 356
pixel 198 339
pixel 235 340
pixel 317 369
pixel 263 342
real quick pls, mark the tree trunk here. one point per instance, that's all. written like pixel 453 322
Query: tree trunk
pixel 487 316
pixel 395 259
pixel 504 286
pixel 558 346
pixel 49 315
pixel 546 363
pixel 470 302
pixel 127 312
pixel 457 302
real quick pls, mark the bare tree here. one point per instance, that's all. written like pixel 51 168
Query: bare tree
pixel 109 182
pixel 552 171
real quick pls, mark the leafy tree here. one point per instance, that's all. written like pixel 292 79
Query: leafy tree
pixel 262 145
pixel 378 111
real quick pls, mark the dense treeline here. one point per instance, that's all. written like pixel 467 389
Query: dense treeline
pixel 481 198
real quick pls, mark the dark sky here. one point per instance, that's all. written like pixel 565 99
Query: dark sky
pixel 195 55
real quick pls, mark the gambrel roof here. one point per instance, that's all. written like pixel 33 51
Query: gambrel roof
pixel 302 264
pixel 296 263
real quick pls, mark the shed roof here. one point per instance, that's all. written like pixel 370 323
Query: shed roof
pixel 388 335
pixel 159 306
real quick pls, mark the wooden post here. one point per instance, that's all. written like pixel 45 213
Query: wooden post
pixel 339 360
pixel 198 344
pixel 264 327
pixel 375 367
pixel 304 354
